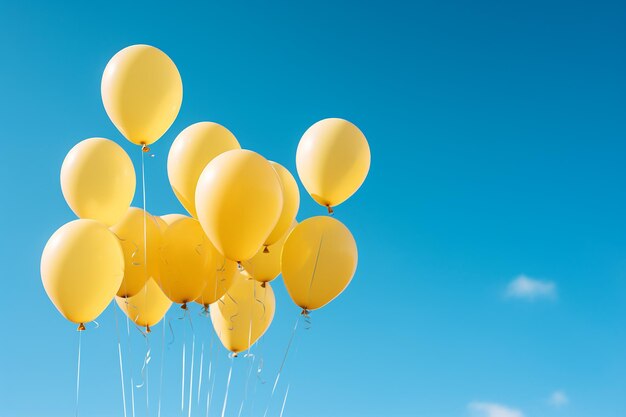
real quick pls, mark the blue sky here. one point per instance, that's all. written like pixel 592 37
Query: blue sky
pixel 491 229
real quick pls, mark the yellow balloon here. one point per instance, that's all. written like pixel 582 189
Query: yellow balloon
pixel 265 266
pixel 82 267
pixel 98 180
pixel 140 264
pixel 332 159
pixel 239 200
pixel 186 260
pixel 318 261
pixel 147 307
pixel 190 153
pixel 243 315
pixel 291 204
pixel 142 92
pixel 219 279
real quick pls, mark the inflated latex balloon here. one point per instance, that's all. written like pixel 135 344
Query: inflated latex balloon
pixel 238 200
pixel 265 266
pixel 147 307
pixel 142 92
pixel 242 316
pixel 291 204
pixel 318 261
pixel 332 159
pixel 98 180
pixel 139 263
pixel 190 153
pixel 218 281
pixel 82 267
pixel 185 261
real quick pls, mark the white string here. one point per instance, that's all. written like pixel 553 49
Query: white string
pixel 230 372
pixel 200 374
pixel 284 401
pixel 193 348
pixel 119 351
pixel 80 337
pixel 162 364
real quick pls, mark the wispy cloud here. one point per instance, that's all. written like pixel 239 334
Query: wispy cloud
pixel 558 399
pixel 530 289
pixel 485 409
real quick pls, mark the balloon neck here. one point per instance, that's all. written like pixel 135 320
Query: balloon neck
pixel 330 210
pixel 148 328
pixel 235 354
pixel 81 327
pixel 239 266
pixel 305 312
pixel 266 250
pixel 145 148
pixel 205 309
pixel 263 284
pixel 184 306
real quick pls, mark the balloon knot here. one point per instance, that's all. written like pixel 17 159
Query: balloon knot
pixel 330 209
pixel 235 354
pixel 263 284
pixel 266 250
pixel 184 306
pixel 239 266
pixel 148 328
pixel 305 312
pixel 81 327
pixel 145 148
pixel 205 309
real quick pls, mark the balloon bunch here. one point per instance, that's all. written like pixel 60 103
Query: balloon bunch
pixel 241 232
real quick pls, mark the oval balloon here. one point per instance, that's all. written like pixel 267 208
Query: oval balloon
pixel 333 159
pixel 139 263
pixel 219 279
pixel 291 204
pixel 318 261
pixel 239 201
pixel 147 307
pixel 265 266
pixel 243 315
pixel 186 260
pixel 190 153
pixel 98 180
pixel 142 92
pixel 82 267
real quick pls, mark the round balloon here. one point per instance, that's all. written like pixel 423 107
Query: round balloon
pixel 147 307
pixel 239 201
pixel 142 92
pixel 190 153
pixel 318 261
pixel 186 260
pixel 219 280
pixel 98 180
pixel 82 267
pixel 265 265
pixel 243 315
pixel 141 256
pixel 332 159
pixel 291 204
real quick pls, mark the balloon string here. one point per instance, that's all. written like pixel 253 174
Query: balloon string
pixel 193 348
pixel 144 149
pixel 182 395
pixel 80 337
pixel 230 372
pixel 162 363
pixel 130 355
pixel 293 333
pixel 119 351
pixel 209 394
pixel 317 258
pixel 282 410
pixel 200 374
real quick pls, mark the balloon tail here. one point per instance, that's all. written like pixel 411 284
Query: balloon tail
pixel 145 148
pixel 81 327
pixel 266 250
pixel 230 372
pixel 184 306
pixel 148 328
pixel 80 337
pixel 330 210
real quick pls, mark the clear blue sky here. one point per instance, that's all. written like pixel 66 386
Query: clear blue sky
pixel 498 142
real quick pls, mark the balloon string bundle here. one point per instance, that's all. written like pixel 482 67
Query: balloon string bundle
pixel 80 336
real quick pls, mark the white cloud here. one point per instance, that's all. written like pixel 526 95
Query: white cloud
pixel 530 289
pixel 484 409
pixel 558 399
